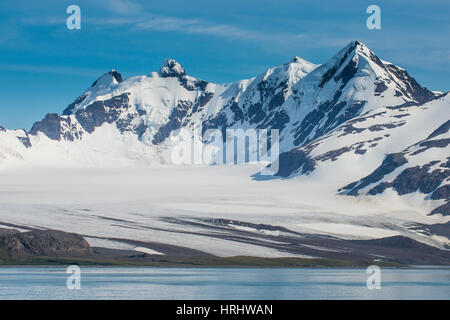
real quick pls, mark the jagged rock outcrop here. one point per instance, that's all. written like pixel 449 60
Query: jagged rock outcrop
pixel 43 243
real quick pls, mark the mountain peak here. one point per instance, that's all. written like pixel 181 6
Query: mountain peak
pixel 171 68
pixel 297 59
pixel 356 47
pixel 107 79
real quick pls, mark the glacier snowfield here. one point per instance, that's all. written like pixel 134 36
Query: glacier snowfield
pixel 162 205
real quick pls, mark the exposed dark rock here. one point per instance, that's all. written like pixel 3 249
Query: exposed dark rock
pixel 390 163
pixel 413 89
pixel 394 242
pixel 441 193
pixel 333 154
pixel 237 112
pixel 226 223
pixel 442 129
pixel 203 100
pixel 2 129
pixel 171 68
pixel 402 115
pixel 427 144
pixel 332 71
pixel 99 112
pixel 380 127
pixel 219 121
pixel 255 113
pixel 379 188
pixel 444 209
pixel 276 101
pixel 381 87
pixel 277 121
pixel 175 120
pixel 350 129
pixel 419 179
pixel 114 74
pixel 8 232
pixel 347 73
pixel 25 141
pixel 50 126
pixel 446 164
pixel 45 243
pixel 127 125
pixel 73 105
pixel 191 84
pixel 294 160
pixel 329 110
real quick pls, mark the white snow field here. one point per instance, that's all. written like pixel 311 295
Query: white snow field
pixel 102 169
pixel 130 203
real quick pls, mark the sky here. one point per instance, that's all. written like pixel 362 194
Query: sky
pixel 44 66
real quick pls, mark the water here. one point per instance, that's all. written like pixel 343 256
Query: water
pixel 223 283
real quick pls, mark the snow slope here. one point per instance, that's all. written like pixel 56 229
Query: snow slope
pixel 139 116
pixel 102 167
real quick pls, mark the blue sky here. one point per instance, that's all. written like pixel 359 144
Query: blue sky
pixel 44 66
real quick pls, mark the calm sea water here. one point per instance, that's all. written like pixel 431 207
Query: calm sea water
pixel 223 283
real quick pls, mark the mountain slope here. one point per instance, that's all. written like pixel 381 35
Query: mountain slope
pixel 422 168
pixel 380 145
pixel 138 115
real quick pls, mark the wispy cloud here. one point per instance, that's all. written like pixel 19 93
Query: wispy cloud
pixel 139 23
pixel 197 26
pixel 123 6
pixel 64 70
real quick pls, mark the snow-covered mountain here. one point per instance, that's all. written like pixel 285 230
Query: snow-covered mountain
pixel 364 155
pixel 422 168
pixel 337 121
pixel 304 101
pixel 404 149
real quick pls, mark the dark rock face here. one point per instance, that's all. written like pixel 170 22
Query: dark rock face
pixel 50 126
pixel 45 243
pixel 430 178
pixel 441 193
pixel 171 68
pixel 190 84
pixel 444 209
pixel 427 144
pixel 381 87
pixel 390 163
pixel 91 117
pixel 413 89
pixel 226 223
pixel 175 120
pixel 99 112
pixel 332 71
pixel 347 73
pixel 73 105
pixel 409 180
pixel 294 160
pixel 204 98
pixel 8 232
pixel 114 74
pixel 394 242
pixel 25 141
pixel 444 128
pixel 328 110
pixel 419 179
pixel 218 121
pixel 237 112
pixel 300 159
